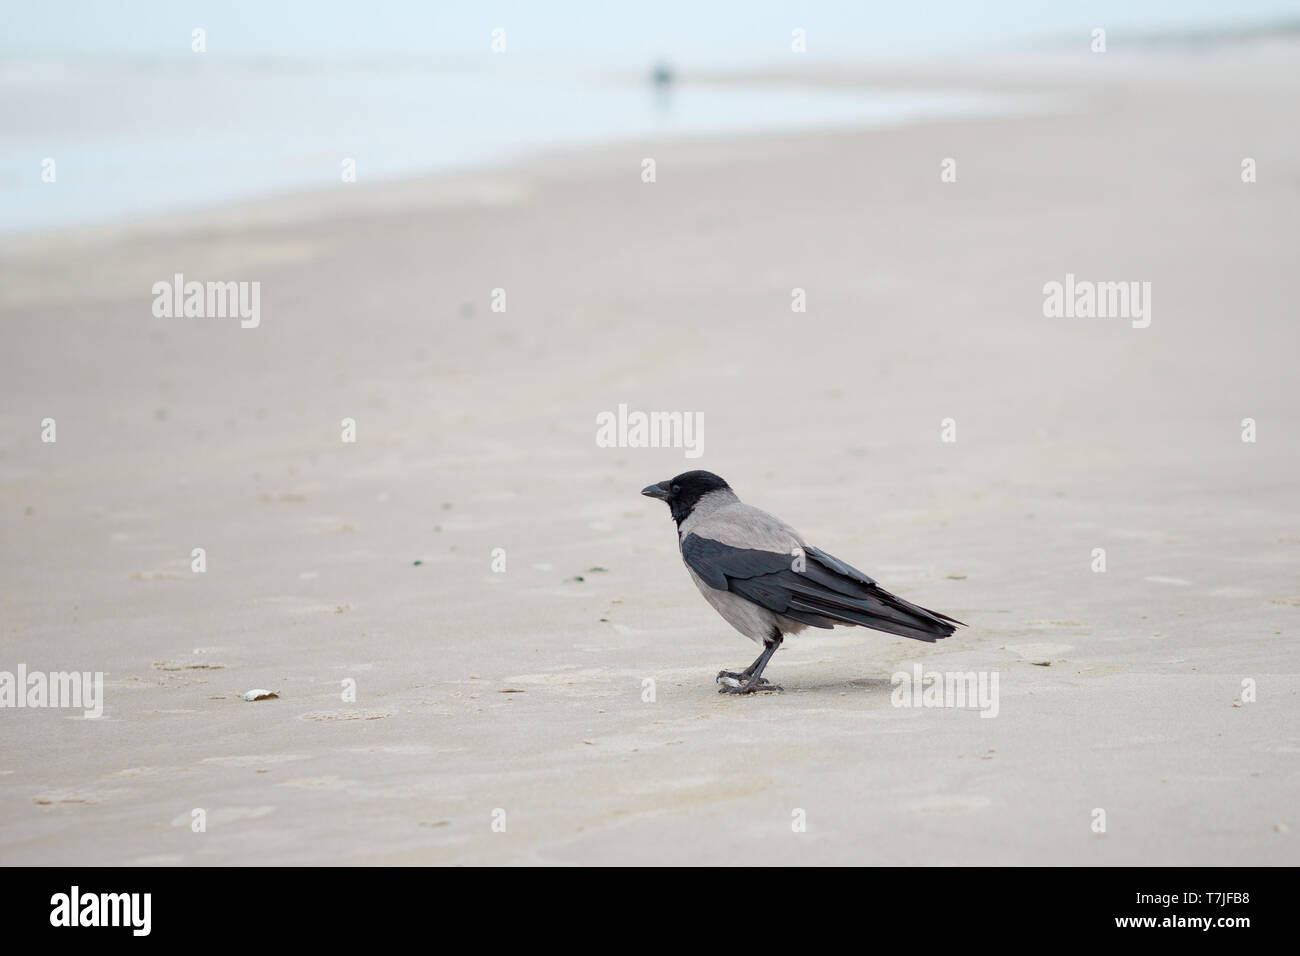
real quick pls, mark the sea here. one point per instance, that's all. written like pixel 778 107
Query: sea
pixel 113 111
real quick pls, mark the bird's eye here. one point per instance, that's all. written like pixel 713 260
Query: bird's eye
pixel 676 488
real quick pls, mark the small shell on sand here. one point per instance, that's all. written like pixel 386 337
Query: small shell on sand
pixel 260 694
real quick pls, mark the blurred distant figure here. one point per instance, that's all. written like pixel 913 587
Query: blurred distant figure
pixel 662 78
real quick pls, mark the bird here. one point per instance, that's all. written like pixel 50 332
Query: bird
pixel 767 582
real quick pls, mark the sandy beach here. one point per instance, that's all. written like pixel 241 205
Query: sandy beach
pixel 519 696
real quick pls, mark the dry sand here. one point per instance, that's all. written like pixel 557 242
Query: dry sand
pixel 523 690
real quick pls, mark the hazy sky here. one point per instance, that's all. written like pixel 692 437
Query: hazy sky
pixel 610 30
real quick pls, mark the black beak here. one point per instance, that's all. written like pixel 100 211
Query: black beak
pixel 659 491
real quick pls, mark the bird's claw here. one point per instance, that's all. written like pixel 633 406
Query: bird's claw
pixel 734 683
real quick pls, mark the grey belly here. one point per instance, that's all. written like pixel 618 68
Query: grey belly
pixel 756 623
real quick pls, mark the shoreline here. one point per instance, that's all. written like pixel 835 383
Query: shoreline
pixel 1009 86
pixel 270 202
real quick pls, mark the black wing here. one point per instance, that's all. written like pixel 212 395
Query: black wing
pixel 823 593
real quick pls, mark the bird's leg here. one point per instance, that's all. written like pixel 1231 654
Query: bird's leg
pixel 751 679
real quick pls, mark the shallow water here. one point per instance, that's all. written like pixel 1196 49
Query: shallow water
pixel 132 137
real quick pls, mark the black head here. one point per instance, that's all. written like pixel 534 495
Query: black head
pixel 684 491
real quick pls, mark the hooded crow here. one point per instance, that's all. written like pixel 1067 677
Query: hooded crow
pixel 767 582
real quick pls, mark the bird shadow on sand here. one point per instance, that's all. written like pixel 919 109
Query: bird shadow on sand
pixel 868 685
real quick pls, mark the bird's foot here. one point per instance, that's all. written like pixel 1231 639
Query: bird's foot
pixel 739 683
